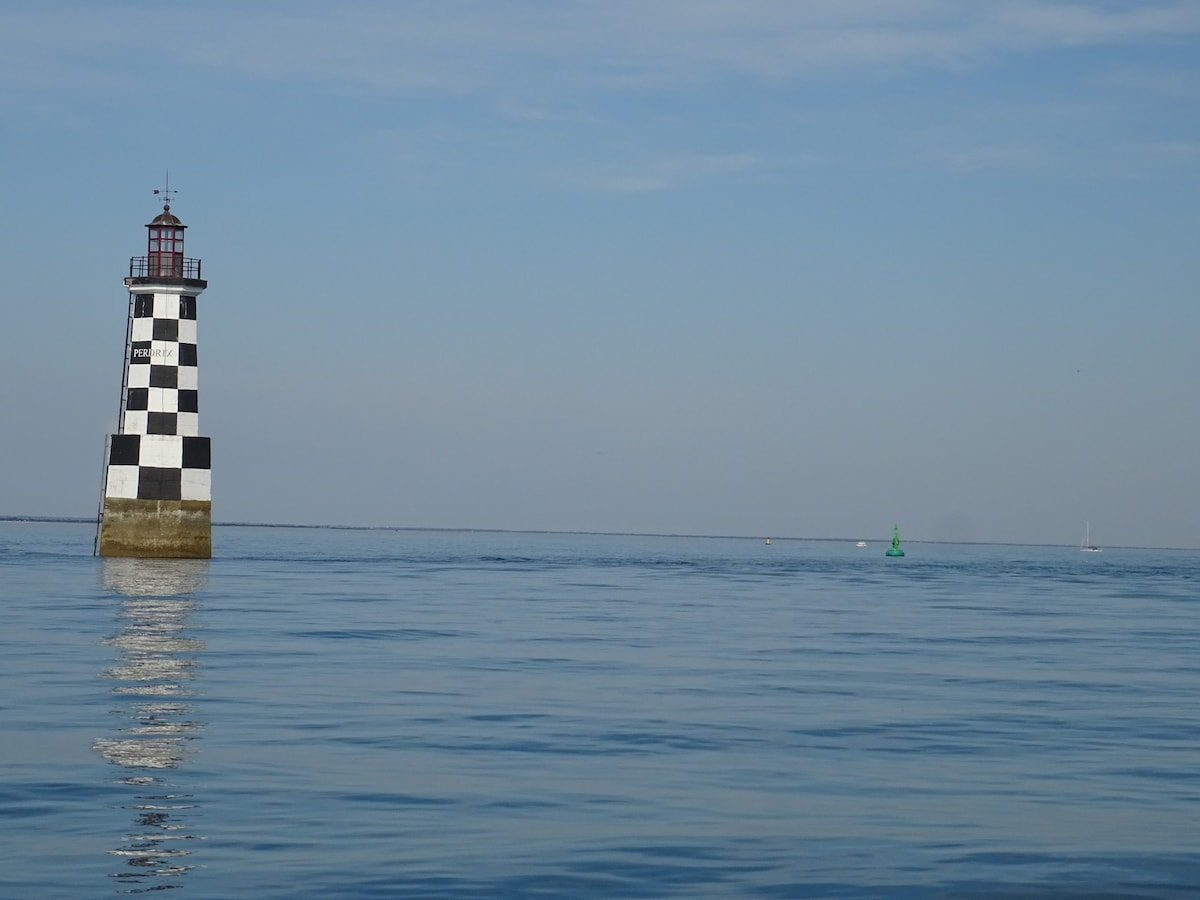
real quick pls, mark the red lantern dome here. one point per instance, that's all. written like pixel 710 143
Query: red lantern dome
pixel 164 245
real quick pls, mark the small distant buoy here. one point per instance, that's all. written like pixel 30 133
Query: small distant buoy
pixel 895 550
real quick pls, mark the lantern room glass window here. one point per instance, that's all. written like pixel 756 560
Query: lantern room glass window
pixel 166 240
pixel 165 247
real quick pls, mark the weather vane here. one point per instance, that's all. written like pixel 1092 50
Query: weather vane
pixel 166 192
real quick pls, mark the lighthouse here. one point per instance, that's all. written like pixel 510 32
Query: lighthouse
pixel 157 498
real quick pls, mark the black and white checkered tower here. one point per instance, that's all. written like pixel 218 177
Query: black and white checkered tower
pixel 157 486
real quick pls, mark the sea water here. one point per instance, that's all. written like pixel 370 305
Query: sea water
pixel 387 713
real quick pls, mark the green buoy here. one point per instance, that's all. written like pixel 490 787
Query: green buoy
pixel 895 550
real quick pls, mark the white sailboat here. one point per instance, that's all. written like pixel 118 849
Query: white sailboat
pixel 1086 545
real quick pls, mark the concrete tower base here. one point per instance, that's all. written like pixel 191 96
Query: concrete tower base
pixel 178 529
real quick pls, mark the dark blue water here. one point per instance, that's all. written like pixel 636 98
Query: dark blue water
pixel 328 713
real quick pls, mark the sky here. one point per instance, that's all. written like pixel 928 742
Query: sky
pixel 727 267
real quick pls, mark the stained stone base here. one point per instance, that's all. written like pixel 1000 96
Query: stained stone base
pixel 179 529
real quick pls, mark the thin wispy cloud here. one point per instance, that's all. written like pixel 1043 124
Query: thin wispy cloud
pixel 1091 24
pixel 613 95
pixel 481 46
pixel 666 173
pixel 1155 155
pixel 514 106
pixel 1159 80
pixel 1007 156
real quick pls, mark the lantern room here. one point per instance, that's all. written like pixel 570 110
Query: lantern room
pixel 164 246
pixel 164 260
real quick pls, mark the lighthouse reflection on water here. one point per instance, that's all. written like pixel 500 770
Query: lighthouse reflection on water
pixel 153 703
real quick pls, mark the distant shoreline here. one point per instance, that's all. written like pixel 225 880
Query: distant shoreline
pixel 80 520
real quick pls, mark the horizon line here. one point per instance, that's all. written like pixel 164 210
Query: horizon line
pixel 82 520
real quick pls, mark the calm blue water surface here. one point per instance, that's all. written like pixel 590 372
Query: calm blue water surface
pixel 330 713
